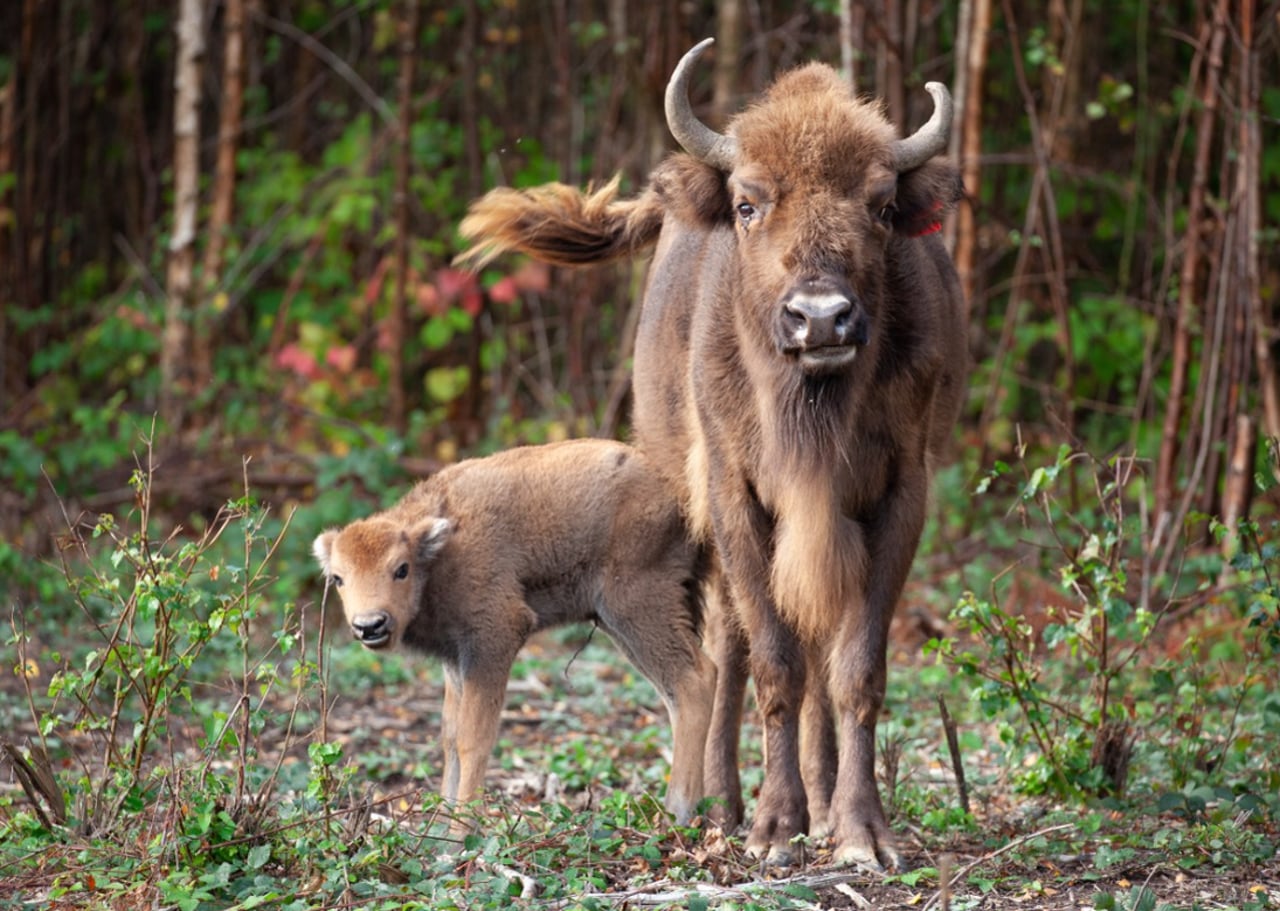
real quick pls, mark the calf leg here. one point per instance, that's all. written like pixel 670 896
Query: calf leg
pixel 479 712
pixel 652 621
pixel 475 689
pixel 449 731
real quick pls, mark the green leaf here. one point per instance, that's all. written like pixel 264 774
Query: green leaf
pixel 258 856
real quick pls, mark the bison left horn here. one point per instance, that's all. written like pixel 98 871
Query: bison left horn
pixel 695 137
pixel 931 138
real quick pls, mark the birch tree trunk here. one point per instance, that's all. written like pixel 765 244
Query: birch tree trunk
pixel 175 350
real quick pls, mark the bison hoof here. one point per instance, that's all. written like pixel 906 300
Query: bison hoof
pixel 776 844
pixel 725 814
pixel 771 855
pixel 866 853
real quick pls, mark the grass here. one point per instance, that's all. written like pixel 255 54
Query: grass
pixel 185 738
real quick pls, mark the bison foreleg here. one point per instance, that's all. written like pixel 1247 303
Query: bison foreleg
pixel 858 675
pixel 777 665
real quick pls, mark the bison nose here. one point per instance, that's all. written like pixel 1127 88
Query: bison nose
pixel 824 320
pixel 373 630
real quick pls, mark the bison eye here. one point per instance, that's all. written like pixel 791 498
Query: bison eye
pixel 746 211
pixel 887 213
pixel 402 571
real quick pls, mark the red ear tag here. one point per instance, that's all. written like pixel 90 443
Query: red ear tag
pixel 928 227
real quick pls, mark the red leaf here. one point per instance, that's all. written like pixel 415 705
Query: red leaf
pixel 472 300
pixel 504 291
pixel 373 290
pixel 291 357
pixel 533 276
pixel 454 283
pixel 341 358
pixel 428 299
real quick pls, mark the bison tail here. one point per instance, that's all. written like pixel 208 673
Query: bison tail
pixel 559 224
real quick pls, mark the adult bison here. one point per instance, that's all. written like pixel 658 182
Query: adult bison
pixel 800 359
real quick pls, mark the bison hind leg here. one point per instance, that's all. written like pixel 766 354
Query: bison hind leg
pixel 818 751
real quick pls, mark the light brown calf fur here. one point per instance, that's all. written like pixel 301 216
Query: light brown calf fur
pixel 486 552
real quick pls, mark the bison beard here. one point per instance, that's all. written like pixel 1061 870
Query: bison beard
pixel 799 365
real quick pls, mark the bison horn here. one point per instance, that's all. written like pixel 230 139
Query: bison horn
pixel 694 136
pixel 931 138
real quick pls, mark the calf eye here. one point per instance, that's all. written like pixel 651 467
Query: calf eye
pixel 402 571
pixel 886 214
pixel 746 211
pixel 337 581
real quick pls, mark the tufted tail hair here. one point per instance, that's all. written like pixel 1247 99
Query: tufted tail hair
pixel 559 224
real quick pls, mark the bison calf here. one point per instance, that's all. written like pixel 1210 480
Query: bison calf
pixel 486 552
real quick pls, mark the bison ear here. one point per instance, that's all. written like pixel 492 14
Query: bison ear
pixel 924 196
pixel 694 192
pixel 429 536
pixel 322 547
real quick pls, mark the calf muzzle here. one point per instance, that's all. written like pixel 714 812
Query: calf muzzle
pixel 373 630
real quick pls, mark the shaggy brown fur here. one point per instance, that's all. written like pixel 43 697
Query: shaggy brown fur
pixel 802 443
pixel 474 560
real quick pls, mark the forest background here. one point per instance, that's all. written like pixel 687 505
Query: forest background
pixel 225 241
pixel 251 238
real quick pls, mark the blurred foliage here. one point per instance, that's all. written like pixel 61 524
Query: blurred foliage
pixel 507 93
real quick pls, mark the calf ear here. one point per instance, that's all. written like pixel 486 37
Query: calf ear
pixel 322 547
pixel 924 196
pixel 429 536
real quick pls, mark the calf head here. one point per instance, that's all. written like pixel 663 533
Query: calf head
pixel 816 184
pixel 379 567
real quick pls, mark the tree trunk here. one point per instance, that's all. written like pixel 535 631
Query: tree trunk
pixel 728 57
pixel 1175 407
pixel 8 274
pixel 175 351
pixel 847 52
pixel 224 190
pixel 404 157
pixel 1266 334
pixel 974 67
pixel 893 84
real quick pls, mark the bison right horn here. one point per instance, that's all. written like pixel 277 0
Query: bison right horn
pixel 695 137
pixel 931 138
